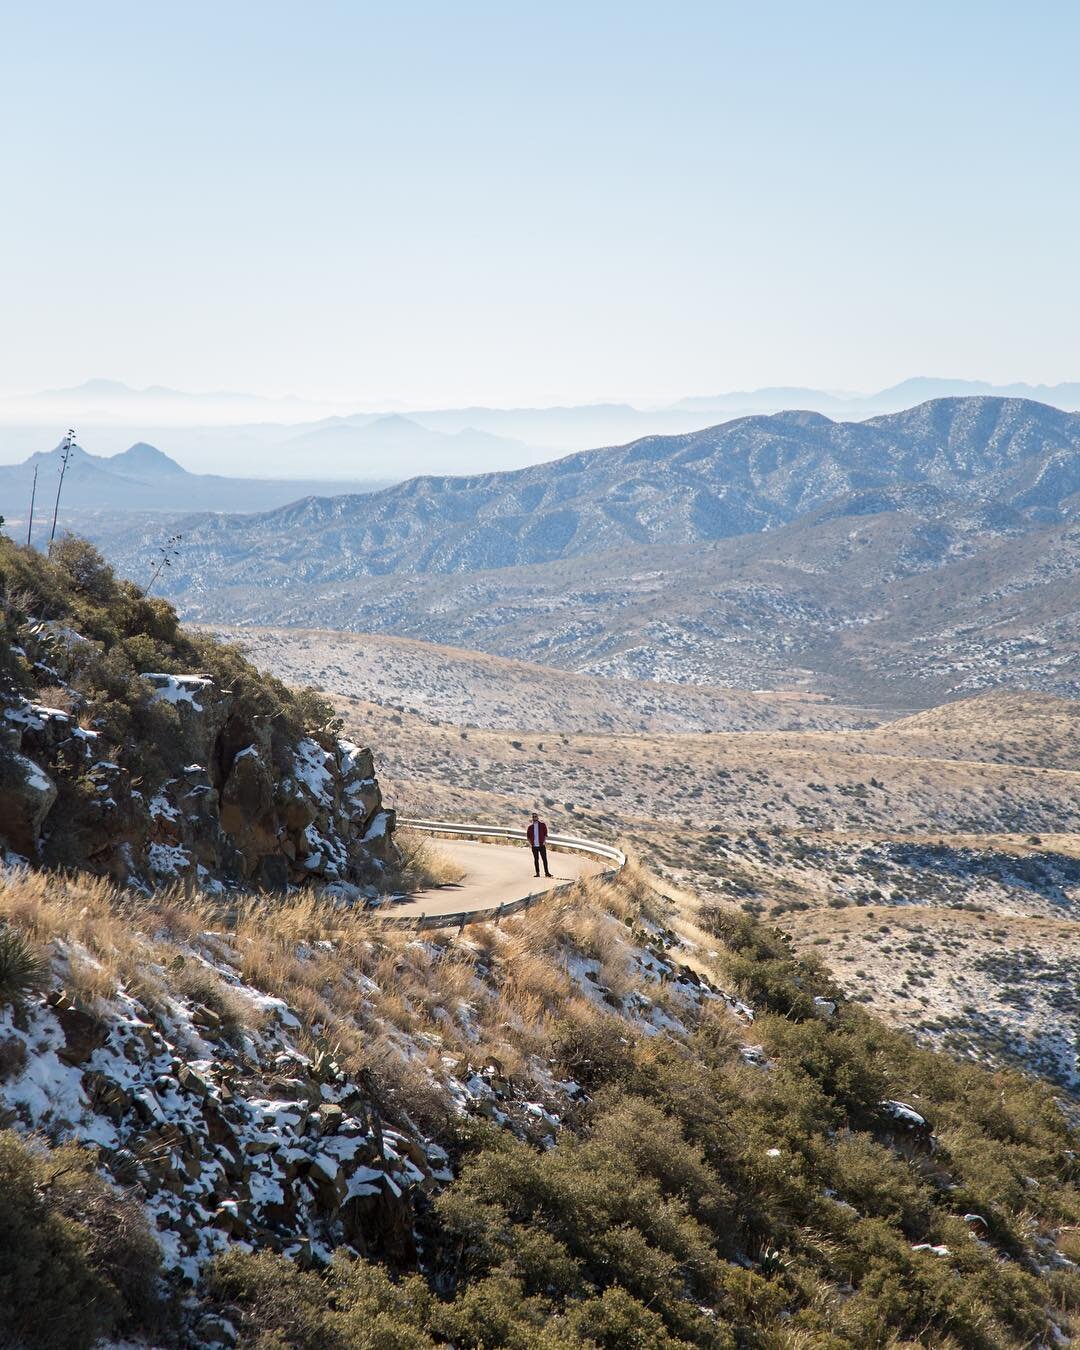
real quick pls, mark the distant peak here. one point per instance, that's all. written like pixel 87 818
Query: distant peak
pixel 144 458
pixel 389 420
pixel 77 452
pixel 799 417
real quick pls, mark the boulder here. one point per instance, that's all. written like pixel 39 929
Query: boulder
pixel 27 794
pixel 247 794
pixel 191 1082
pixel 296 810
pixel 329 1182
pixel 381 1224
pixel 356 764
pixel 362 801
pixel 201 708
pixel 247 811
pixel 379 837
pixel 331 1116
pixel 83 1032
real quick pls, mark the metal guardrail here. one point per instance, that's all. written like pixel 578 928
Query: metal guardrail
pixel 564 843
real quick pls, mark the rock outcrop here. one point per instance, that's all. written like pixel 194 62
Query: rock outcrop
pixel 240 812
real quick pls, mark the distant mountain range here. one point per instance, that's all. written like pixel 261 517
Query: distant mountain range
pixel 121 403
pixel 893 399
pixel 741 477
pixel 140 479
pixel 753 553
pixel 284 438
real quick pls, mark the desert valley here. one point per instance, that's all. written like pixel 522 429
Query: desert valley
pixel 851 729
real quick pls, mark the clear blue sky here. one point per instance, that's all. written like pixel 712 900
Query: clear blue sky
pixel 441 203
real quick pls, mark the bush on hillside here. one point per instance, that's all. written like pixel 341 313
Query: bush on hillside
pixel 77 1262
pixel 130 634
pixel 702 1201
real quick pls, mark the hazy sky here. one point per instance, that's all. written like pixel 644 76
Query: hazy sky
pixel 441 203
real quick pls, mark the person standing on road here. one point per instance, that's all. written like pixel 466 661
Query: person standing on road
pixel 537 837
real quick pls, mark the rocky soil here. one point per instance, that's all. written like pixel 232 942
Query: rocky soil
pixel 471 689
pixel 224 1137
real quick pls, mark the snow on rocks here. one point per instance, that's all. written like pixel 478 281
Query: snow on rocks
pixel 311 767
pixel 903 1121
pixel 258 1146
pixel 903 1114
pixel 180 688
pixel 680 991
pixel 33 716
pixel 168 860
pixel 231 815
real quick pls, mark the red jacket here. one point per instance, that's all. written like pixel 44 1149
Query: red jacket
pixel 539 828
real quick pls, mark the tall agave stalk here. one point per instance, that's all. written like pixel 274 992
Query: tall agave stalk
pixel 33 495
pixel 68 442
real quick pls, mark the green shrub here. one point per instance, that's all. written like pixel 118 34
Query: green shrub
pixel 77 1262
pixel 594 1051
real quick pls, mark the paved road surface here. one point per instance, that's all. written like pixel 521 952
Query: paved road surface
pixel 494 875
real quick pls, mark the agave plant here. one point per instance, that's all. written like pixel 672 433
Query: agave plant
pixel 23 968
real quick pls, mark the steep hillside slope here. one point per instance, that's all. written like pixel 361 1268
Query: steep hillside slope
pixel 133 749
pixel 611 1121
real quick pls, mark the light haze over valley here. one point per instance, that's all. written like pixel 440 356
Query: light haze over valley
pixel 539 677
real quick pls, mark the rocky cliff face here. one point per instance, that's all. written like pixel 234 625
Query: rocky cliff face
pixel 231 802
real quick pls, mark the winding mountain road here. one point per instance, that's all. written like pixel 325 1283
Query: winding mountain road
pixel 496 874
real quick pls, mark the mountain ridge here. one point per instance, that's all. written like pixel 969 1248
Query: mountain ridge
pixel 741 477
pixel 921 558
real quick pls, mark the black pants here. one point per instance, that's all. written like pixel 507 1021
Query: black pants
pixel 540 856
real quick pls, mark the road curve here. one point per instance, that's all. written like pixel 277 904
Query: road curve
pixel 495 874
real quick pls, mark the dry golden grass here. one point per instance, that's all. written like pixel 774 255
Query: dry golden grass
pixel 397 1005
pixel 423 865
pixel 86 922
